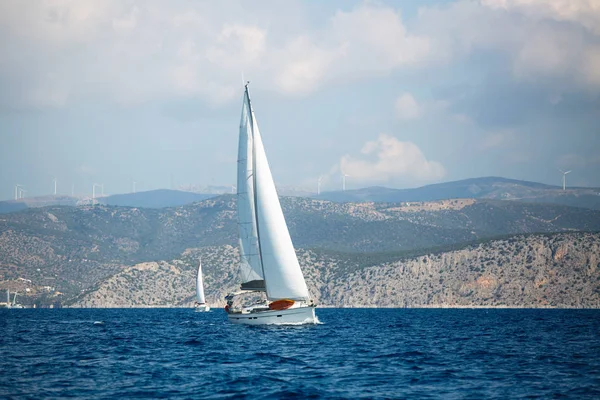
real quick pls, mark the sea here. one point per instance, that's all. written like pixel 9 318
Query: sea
pixel 350 354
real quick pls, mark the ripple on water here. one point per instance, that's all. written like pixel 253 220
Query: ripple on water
pixel 366 353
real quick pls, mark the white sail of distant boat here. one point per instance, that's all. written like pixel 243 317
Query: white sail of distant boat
pixel 200 301
pixel 268 262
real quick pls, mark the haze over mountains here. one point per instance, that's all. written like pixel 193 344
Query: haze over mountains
pixel 476 188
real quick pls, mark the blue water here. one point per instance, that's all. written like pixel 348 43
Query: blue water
pixel 354 353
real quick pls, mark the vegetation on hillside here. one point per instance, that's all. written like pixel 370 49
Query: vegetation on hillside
pixel 72 249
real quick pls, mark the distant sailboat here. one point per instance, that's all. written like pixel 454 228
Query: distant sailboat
pixel 14 303
pixel 200 301
pixel 268 260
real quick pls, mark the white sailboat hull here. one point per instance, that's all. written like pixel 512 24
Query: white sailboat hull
pixel 291 316
pixel 203 308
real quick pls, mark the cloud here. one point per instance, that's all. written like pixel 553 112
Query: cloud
pixel 519 61
pixel 135 51
pixel 407 107
pixel 369 40
pixel 497 140
pixel 388 159
pixel 583 12
pixel 549 42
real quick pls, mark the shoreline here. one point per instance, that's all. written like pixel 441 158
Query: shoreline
pixel 455 307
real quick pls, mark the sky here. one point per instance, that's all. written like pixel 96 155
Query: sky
pixel 391 93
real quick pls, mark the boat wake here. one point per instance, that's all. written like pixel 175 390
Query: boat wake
pixel 305 322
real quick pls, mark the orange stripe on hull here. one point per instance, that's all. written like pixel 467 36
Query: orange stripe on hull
pixel 282 304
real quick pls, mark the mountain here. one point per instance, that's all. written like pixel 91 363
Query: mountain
pixel 72 249
pixel 159 198
pixel 477 188
pixel 11 206
pixel 39 201
pixel 556 270
pixel 492 188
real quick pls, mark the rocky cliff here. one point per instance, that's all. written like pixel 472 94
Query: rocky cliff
pixel 554 270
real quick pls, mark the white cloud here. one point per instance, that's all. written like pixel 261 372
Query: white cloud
pixel 388 159
pixel 542 40
pixel 407 107
pixel 496 140
pixel 306 66
pixel 135 51
pixel 584 12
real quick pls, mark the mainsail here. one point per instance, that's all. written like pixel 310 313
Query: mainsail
pixel 200 285
pixel 265 243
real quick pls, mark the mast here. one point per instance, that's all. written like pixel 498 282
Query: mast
pixel 255 192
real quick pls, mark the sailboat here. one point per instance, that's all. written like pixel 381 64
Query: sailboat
pixel 268 262
pixel 14 303
pixel 200 305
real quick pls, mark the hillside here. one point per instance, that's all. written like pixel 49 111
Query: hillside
pixel 73 248
pixel 559 270
pixel 493 188
pixel 10 206
pixel 159 198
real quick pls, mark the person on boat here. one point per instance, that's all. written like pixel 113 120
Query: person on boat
pixel 229 304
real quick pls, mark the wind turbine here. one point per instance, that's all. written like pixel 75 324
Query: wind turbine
pixel 94 191
pixel 232 189
pixel 17 187
pixel 344 176
pixel 565 178
pixel 319 185
pixel 21 191
pixel 55 181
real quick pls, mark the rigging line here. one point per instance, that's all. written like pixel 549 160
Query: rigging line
pixel 262 266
